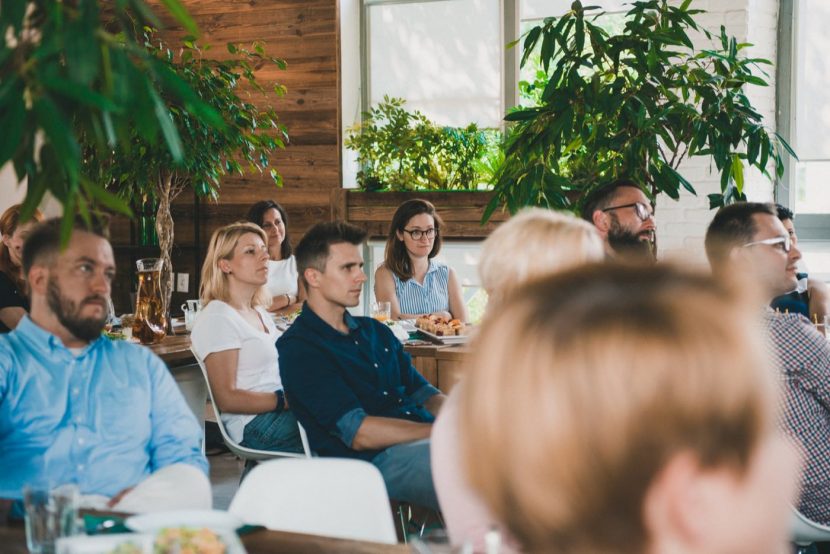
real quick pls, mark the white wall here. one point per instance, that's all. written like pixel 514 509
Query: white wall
pixel 681 225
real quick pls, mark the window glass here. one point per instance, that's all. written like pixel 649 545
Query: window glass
pixel 811 107
pixel 443 58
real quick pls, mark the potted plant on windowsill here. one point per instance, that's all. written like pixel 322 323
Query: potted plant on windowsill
pixel 402 155
pixel 633 104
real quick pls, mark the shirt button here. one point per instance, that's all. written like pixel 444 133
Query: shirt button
pixel 386 350
pixel 356 342
pixel 81 441
pixel 79 420
pixel 408 413
pixel 81 467
pixel 385 393
pixel 75 391
pixel 376 365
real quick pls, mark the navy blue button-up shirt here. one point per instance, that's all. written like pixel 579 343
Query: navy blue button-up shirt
pixel 334 380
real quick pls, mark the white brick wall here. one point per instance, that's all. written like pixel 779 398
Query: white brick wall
pixel 681 225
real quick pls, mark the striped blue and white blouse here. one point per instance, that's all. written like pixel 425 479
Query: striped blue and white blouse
pixel 432 296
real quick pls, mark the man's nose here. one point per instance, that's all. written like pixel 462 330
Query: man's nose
pixel 101 283
pixel 795 253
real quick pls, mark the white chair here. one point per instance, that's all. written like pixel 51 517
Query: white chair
pixel 244 452
pixel 333 497
pixel 805 532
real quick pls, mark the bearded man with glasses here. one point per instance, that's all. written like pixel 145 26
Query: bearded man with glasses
pixel 624 217
pixel 747 242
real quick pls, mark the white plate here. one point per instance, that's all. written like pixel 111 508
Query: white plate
pixel 216 520
pixel 103 544
pixel 444 339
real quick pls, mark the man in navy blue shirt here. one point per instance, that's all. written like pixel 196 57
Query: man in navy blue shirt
pixel 347 378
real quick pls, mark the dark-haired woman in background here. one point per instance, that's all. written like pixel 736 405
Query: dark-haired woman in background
pixel 409 278
pixel 14 301
pixel 287 295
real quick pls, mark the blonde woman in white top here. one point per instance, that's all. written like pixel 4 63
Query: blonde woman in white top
pixel 284 287
pixel 235 337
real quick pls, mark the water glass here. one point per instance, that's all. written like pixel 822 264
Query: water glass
pixel 49 515
pixel 382 311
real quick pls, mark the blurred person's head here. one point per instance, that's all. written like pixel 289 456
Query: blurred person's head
pixel 638 415
pixel 70 286
pixel 330 263
pixel 14 234
pixel 415 232
pixel 746 240
pixel 623 215
pixel 788 220
pixel 269 215
pixel 533 243
pixel 237 255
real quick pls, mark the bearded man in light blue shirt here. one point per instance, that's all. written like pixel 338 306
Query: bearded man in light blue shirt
pixel 76 407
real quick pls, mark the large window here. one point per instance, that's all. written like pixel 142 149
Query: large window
pixel 804 119
pixel 442 57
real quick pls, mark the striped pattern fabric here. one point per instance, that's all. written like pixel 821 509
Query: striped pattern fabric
pixel 804 357
pixel 432 296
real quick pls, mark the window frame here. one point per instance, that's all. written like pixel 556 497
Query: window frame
pixel 809 227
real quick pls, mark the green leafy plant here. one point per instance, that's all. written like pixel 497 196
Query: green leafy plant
pixel 402 150
pixel 72 69
pixel 146 169
pixel 632 104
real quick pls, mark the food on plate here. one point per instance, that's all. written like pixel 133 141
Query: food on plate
pixel 187 540
pixel 440 326
pixel 127 548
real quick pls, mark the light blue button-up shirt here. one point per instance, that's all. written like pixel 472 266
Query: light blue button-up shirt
pixel 104 419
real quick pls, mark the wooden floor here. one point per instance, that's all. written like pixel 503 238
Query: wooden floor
pixel 225 471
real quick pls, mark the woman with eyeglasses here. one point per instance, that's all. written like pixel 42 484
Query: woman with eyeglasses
pixel 287 294
pixel 409 278
pixel 14 301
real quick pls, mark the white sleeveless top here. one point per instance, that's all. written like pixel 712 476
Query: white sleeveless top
pixel 282 277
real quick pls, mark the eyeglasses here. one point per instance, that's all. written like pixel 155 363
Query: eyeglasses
pixel 784 241
pixel 640 209
pixel 418 234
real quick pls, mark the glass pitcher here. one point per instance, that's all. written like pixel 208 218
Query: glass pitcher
pixel 150 323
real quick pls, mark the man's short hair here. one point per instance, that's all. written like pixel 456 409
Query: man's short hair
pixel 784 213
pixel 44 242
pixel 313 249
pixel 733 225
pixel 602 196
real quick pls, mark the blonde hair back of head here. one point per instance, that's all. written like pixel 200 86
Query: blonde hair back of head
pixel 589 382
pixel 222 244
pixel 533 243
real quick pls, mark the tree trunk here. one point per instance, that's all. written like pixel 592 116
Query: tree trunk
pixel 164 229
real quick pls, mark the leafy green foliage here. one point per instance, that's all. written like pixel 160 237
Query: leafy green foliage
pixel 632 104
pixel 402 150
pixel 141 168
pixel 68 71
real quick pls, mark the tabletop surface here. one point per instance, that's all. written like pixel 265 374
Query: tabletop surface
pixel 13 541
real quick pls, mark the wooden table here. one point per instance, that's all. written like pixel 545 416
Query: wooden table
pixel 174 350
pixel 13 541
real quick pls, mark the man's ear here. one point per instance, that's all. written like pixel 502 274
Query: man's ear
pixel 601 221
pixel 684 502
pixel 312 277
pixel 38 279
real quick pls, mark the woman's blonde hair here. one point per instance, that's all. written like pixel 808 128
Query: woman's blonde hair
pixel 612 371
pixel 531 244
pixel 222 244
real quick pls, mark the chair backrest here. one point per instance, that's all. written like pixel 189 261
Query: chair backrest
pixel 333 497
pixel 806 531
pixel 239 450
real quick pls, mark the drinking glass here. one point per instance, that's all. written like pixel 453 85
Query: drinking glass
pixel 50 514
pixel 382 311
pixel 150 322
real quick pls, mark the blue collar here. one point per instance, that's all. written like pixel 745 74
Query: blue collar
pixel 317 324
pixel 44 340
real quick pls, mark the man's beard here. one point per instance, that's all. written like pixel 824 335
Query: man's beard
pixel 68 313
pixel 631 246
